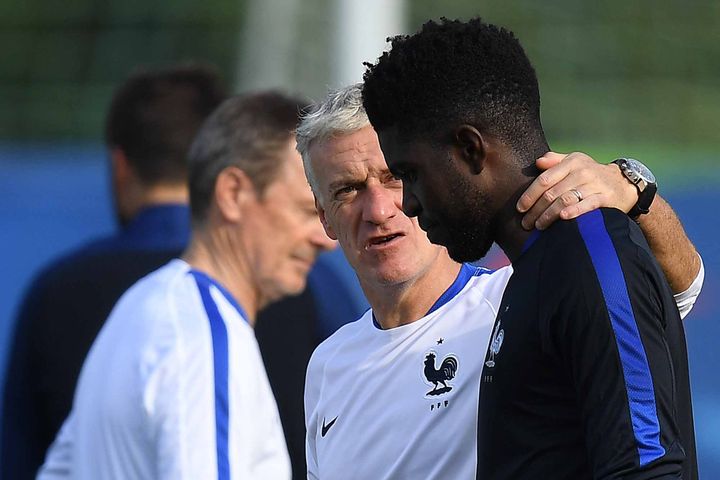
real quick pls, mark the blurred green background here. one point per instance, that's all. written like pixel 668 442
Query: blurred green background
pixel 615 76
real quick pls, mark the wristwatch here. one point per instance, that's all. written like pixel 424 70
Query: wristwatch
pixel 643 179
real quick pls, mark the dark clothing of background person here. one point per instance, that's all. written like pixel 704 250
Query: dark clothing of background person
pixel 285 332
pixel 288 332
pixel 586 374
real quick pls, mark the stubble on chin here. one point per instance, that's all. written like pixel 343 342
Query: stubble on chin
pixel 470 227
pixel 470 241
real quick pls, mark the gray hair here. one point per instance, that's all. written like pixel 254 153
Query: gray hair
pixel 247 131
pixel 340 112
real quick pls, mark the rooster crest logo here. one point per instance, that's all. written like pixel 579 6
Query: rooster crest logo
pixel 436 376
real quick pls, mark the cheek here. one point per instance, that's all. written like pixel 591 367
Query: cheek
pixel 437 197
pixel 277 233
pixel 343 221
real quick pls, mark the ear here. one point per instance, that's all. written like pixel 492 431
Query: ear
pixel 121 170
pixel 233 190
pixel 124 185
pixel 321 213
pixel 470 147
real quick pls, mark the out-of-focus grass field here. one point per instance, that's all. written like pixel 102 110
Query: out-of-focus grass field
pixel 674 166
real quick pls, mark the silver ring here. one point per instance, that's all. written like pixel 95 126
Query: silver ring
pixel 577 193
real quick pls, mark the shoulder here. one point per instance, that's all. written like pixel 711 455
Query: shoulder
pixel 335 342
pixel 483 278
pixel 161 323
pixel 604 222
pixel 488 285
pixel 68 265
pixel 141 334
pixel 594 255
pixel 599 235
pixel 611 239
pixel 69 277
pixel 157 297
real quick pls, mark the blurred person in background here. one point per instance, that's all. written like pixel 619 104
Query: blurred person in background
pixel 586 374
pixel 174 385
pixel 152 119
pixel 396 391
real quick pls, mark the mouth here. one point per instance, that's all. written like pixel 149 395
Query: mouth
pixel 306 263
pixel 382 241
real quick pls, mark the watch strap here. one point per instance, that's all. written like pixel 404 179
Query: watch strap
pixel 646 189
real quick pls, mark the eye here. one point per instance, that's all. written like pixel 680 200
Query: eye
pixel 404 174
pixel 391 179
pixel 344 191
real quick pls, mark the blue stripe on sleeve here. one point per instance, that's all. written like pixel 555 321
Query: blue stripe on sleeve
pixel 220 368
pixel 638 380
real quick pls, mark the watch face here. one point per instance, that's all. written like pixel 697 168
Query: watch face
pixel 641 170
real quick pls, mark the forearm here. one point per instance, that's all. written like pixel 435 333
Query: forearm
pixel 672 248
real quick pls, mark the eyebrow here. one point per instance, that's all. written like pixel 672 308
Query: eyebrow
pixel 399 165
pixel 343 182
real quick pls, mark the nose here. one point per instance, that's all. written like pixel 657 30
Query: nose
pixel 381 204
pixel 410 205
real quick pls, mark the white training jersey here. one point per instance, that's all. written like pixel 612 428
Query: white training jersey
pixel 173 388
pixel 402 403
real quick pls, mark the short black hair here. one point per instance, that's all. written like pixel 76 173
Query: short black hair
pixel 450 72
pixel 155 114
pixel 248 131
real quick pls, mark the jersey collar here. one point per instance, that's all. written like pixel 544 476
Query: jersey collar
pixel 205 279
pixel 466 272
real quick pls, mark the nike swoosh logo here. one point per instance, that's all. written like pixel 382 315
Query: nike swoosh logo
pixel 325 428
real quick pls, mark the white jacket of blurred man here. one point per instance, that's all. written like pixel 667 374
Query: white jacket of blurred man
pixel 395 394
pixel 174 386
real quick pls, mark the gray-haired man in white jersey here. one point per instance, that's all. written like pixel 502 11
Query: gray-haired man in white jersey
pixel 174 386
pixel 395 394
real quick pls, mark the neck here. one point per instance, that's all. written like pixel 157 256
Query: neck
pixel 141 197
pixel 509 233
pixel 214 253
pixel 407 302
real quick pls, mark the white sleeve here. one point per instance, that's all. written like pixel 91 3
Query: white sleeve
pixel 58 460
pixel 183 450
pixel 686 300
pixel 210 404
pixel 312 391
pixel 178 398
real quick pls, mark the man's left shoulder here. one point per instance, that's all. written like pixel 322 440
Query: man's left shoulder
pixel 605 241
pixel 593 229
pixel 612 230
pixel 593 242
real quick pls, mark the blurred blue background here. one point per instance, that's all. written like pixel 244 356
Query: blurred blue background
pixel 638 79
